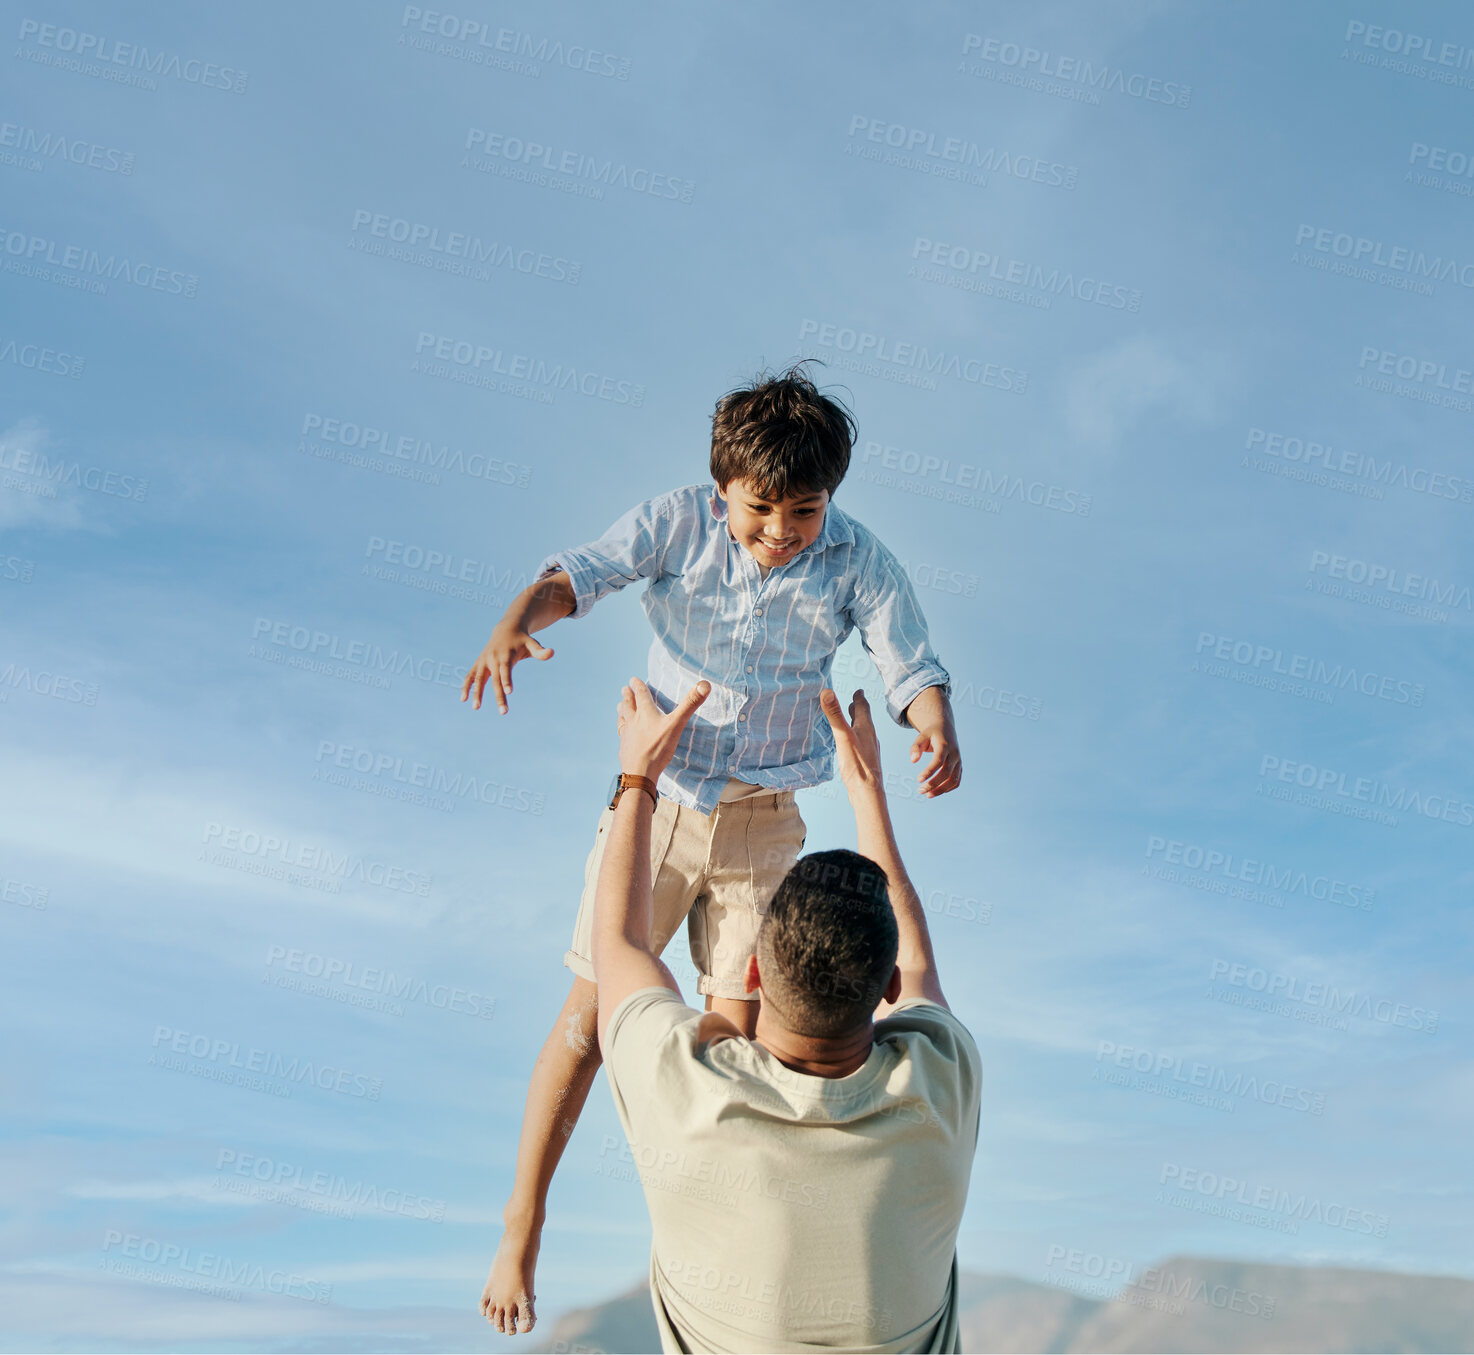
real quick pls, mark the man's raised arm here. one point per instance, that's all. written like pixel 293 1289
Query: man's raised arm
pixel 623 959
pixel 857 752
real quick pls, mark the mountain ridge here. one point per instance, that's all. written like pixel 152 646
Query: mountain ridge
pixel 1181 1304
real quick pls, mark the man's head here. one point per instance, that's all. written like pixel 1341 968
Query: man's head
pixel 779 450
pixel 826 949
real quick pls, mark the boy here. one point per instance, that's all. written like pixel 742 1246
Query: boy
pixel 755 581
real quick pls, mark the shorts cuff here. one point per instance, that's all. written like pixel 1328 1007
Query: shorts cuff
pixel 710 987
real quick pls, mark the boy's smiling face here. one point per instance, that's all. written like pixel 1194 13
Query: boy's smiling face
pixel 773 531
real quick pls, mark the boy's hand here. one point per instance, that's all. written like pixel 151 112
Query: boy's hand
pixel 930 715
pixel 509 642
pixel 944 771
pixel 856 747
pixel 647 735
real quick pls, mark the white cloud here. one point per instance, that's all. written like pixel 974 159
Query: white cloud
pixel 1109 394
pixel 24 502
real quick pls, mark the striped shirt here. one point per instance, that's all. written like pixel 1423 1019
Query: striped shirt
pixel 765 641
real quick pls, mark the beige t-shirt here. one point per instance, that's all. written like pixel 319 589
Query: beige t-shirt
pixel 793 1212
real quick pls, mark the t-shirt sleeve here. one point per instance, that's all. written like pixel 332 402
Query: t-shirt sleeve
pixel 947 1057
pixel 650 1030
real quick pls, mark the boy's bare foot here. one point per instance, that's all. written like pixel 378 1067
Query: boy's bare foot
pixel 560 1082
pixel 507 1300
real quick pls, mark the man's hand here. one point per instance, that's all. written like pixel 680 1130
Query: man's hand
pixel 856 747
pixel 930 715
pixel 647 735
pixel 509 643
pixel 622 954
pixel 858 754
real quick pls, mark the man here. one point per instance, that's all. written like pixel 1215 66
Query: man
pixel 805 1186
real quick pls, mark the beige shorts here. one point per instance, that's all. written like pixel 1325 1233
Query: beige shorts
pixel 718 871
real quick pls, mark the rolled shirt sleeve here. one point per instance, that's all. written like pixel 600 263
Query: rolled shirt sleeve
pixel 893 631
pixel 630 549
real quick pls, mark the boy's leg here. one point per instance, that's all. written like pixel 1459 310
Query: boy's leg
pixel 741 1013
pixel 570 1059
pixel 556 1092
pixel 755 843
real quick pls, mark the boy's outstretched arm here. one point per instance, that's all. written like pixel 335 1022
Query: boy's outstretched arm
pixel 568 583
pixel 894 633
pixel 534 608
pixel 857 752
pixel 930 715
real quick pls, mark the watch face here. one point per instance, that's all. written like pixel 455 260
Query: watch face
pixel 613 786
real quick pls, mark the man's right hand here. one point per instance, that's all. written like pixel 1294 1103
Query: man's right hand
pixel 509 642
pixel 856 747
pixel 858 754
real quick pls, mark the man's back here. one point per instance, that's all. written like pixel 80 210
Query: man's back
pixel 795 1212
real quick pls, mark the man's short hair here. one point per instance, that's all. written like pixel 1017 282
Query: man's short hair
pixel 781 435
pixel 827 946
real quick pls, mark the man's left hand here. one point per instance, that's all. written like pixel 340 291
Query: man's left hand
pixel 647 735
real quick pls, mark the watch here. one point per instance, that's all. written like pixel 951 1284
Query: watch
pixel 628 780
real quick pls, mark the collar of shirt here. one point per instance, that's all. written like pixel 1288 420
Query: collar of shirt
pixel 836 530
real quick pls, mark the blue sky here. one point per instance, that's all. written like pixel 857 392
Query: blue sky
pixel 1202 404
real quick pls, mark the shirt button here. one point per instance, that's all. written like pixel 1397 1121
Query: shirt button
pixel 749 668
pixel 758 611
pixel 742 717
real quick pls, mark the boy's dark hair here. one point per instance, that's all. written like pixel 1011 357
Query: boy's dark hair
pixel 827 945
pixel 783 436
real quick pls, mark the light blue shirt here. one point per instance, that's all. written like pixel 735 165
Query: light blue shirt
pixel 766 644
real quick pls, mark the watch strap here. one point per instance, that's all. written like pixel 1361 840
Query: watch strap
pixel 631 780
